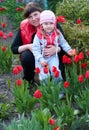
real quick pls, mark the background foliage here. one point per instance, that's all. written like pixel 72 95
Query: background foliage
pixel 76 34
pixel 73 10
pixel 72 111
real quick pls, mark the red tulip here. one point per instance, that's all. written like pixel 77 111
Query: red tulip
pixel 66 84
pixel 3 48
pixel 81 56
pixel 54 69
pixel 56 74
pixel 57 128
pixel 15 71
pixel 69 60
pixel 19 67
pixel 52 121
pixel 37 70
pixel 19 82
pixel 64 59
pixel 37 94
pixel 45 69
pixel 19 9
pixel 81 78
pixel 4 36
pixel 2 9
pixel 87 74
pixel 78 21
pixel 84 65
pixel 3 24
pixel 61 19
pixel 1 34
pixel 10 34
pixel 76 58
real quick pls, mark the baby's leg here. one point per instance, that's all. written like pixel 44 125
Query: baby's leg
pixel 42 76
pixel 55 62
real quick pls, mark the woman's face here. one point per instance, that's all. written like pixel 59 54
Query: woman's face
pixel 34 18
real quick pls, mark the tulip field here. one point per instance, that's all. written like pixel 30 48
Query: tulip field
pixel 39 106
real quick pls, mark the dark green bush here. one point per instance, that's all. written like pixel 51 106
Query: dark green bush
pixel 73 10
pixel 14 16
pixel 76 34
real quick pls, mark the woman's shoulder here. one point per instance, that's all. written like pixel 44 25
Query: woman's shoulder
pixel 25 23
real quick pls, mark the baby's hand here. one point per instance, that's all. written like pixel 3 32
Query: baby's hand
pixel 44 63
pixel 72 52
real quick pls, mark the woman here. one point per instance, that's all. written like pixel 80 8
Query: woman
pixel 22 43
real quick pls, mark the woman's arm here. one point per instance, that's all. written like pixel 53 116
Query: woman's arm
pixel 51 50
pixel 17 45
pixel 25 47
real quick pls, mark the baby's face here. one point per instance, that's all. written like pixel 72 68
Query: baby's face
pixel 48 27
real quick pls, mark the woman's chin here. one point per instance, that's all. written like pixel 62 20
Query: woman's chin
pixel 35 24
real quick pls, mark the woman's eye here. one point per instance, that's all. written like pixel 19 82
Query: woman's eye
pixel 35 14
pixel 30 17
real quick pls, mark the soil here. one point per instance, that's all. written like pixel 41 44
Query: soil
pixel 4 90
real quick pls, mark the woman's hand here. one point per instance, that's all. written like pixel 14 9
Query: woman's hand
pixel 25 47
pixel 51 50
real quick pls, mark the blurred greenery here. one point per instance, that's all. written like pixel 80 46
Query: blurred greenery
pixel 76 34
pixel 73 10
pixel 52 4
pixel 14 16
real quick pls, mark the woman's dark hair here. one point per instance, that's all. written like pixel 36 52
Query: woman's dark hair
pixel 30 8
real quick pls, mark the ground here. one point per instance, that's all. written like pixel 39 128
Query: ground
pixel 4 90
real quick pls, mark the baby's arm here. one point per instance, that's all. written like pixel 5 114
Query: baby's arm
pixel 66 47
pixel 64 44
pixel 37 51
